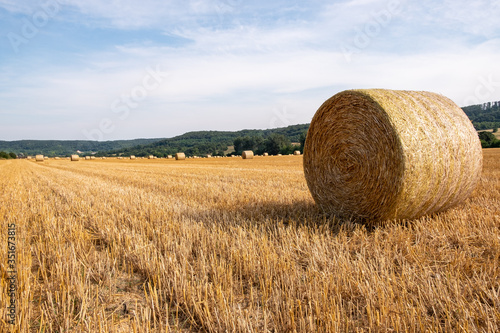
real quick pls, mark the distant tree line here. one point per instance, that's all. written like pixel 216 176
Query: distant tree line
pixel 7 156
pixel 216 143
pixel 484 116
pixel 488 139
pixel 273 145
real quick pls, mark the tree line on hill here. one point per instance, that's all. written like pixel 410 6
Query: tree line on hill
pixel 273 145
pixel 484 116
pixel 216 143
pixel 488 139
pixel 7 156
pixel 53 148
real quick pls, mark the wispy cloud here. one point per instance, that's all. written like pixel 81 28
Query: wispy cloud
pixel 230 63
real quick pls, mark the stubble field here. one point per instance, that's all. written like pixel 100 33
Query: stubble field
pixel 232 245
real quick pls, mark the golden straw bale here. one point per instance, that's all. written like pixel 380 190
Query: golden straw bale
pixel 297 152
pixel 75 157
pixel 180 156
pixel 247 155
pixel 265 154
pixel 132 157
pixel 87 157
pixel 39 158
pixel 386 154
pixel 151 157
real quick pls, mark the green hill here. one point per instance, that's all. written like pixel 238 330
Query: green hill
pixel 484 116
pixel 65 148
pixel 207 142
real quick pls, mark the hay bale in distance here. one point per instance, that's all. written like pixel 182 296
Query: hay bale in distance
pixel 180 156
pixel 151 157
pixel 247 155
pixel 169 157
pixel 39 158
pixel 385 154
pixel 92 157
pixel 132 157
pixel 87 157
pixel 75 157
pixel 265 154
pixel 297 152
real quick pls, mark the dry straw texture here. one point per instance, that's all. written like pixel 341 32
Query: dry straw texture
pixel 297 152
pixel 132 157
pixel 386 154
pixel 180 156
pixel 39 158
pixel 247 155
pixel 87 157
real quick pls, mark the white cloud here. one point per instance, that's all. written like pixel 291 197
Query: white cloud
pixel 236 75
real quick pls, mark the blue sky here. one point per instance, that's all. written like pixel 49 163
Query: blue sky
pixel 107 70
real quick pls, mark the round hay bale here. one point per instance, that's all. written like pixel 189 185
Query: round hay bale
pixel 39 158
pixel 151 157
pixel 265 154
pixel 169 157
pixel 278 155
pixel 386 154
pixel 75 157
pixel 92 157
pixel 180 156
pixel 247 155
pixel 87 157
pixel 132 157
pixel 297 152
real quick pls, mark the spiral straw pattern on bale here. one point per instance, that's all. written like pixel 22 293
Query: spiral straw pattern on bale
pixel 388 154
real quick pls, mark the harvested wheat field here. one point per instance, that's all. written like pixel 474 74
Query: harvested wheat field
pixel 233 245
